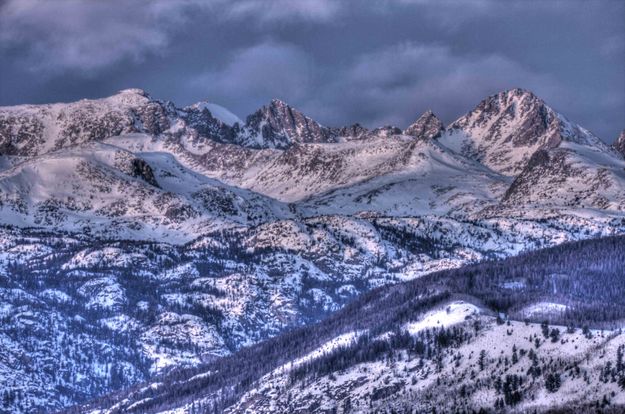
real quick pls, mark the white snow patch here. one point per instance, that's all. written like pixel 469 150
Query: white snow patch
pixel 219 112
pixel 452 314
pixel 543 308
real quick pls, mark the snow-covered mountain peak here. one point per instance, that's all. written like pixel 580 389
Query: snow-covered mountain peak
pixel 266 153
pixel 519 94
pixel 278 103
pixel 218 112
pixel 127 97
pixel 279 110
pixel 426 126
pixel 134 91
pixel 504 113
pixel 278 125
pixel 31 130
pixel 506 129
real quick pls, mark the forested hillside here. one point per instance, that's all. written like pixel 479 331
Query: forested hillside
pixel 572 289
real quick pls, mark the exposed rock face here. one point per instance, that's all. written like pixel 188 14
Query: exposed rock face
pixel 506 129
pixel 497 112
pixel 386 131
pixel 30 130
pixel 278 125
pixel 142 169
pixel 428 126
pixel 619 144
pixel 205 124
pixel 563 177
pixel 540 164
pixel 355 131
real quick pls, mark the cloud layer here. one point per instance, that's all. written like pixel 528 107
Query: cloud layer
pixel 82 34
pixel 375 62
pixel 91 35
pixel 395 85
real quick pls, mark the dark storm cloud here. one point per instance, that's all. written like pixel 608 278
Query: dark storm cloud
pixel 374 62
pixel 260 71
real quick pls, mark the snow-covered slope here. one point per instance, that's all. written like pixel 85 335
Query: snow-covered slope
pixel 309 171
pixel 154 306
pixel 30 130
pixel 465 340
pixel 488 371
pixel 195 233
pixel 506 129
pixel 105 190
pixel 403 176
pixel 571 175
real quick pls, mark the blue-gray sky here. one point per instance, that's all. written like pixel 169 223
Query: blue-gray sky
pixel 370 61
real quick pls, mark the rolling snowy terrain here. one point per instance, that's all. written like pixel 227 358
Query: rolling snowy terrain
pixel 469 339
pixel 137 237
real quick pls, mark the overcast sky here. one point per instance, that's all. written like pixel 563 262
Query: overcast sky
pixel 371 61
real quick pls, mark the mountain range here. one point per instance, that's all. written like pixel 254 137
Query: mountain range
pixel 137 237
